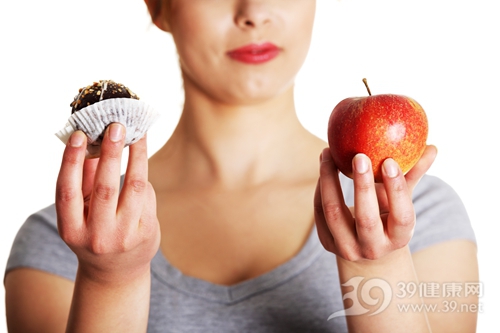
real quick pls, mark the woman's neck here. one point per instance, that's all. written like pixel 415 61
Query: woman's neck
pixel 236 146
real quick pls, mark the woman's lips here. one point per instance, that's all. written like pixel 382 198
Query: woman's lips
pixel 255 53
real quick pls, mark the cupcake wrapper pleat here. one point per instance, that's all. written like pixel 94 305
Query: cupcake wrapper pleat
pixel 135 115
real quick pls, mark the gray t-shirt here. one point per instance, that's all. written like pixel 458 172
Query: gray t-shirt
pixel 297 296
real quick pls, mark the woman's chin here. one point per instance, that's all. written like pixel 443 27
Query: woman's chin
pixel 252 94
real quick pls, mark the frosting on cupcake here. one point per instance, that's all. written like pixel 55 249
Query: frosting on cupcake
pixel 98 91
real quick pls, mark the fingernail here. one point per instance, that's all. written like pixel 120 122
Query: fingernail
pixel 390 168
pixel 76 140
pixel 116 132
pixel 361 163
pixel 325 155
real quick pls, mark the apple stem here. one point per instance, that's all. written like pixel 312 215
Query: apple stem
pixel 366 85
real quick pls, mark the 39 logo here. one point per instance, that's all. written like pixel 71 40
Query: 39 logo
pixel 363 294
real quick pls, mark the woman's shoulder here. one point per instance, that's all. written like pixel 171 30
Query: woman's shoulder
pixel 441 214
pixel 38 245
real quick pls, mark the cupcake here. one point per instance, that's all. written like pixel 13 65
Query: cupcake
pixel 102 103
pixel 99 91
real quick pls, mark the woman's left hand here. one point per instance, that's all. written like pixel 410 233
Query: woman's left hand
pixel 382 218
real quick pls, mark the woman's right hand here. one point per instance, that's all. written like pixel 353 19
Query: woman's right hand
pixel 114 233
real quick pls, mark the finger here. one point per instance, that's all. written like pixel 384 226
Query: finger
pixel 89 170
pixel 324 234
pixel 337 215
pixel 369 227
pixel 424 163
pixel 69 199
pixel 413 176
pixel 133 193
pixel 401 219
pixel 383 202
pixel 104 198
pixel 149 224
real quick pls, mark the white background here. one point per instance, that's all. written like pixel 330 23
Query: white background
pixel 443 53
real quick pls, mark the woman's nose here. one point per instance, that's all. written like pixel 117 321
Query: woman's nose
pixel 252 13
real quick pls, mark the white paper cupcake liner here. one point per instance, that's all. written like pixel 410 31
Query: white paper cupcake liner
pixel 135 115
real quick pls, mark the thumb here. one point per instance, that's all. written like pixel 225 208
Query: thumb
pixel 424 163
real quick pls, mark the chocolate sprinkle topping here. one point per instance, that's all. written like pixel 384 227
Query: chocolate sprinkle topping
pixel 98 91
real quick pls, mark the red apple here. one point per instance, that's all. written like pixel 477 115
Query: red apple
pixel 379 126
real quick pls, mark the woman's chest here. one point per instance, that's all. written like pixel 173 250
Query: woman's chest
pixel 226 238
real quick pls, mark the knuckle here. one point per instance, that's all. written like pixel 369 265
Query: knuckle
pixel 407 219
pixel 318 209
pixel 349 254
pixel 333 211
pixel 104 192
pixel 127 235
pixel 127 242
pixel 364 186
pixel 67 234
pixel 398 186
pixel 371 253
pixel 399 242
pixel 64 231
pixel 98 245
pixel 136 185
pixel 367 223
pixel 65 194
pixel 149 225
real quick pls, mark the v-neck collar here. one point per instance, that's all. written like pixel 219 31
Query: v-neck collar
pixel 174 278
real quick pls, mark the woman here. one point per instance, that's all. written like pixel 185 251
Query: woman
pixel 218 230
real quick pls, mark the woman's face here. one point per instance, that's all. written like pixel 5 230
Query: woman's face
pixel 240 51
